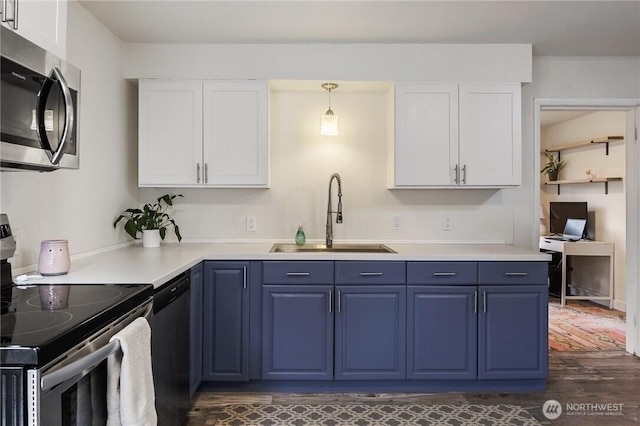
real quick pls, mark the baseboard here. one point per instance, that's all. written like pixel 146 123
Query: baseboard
pixel 619 306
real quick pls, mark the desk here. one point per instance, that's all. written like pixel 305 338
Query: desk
pixel 581 248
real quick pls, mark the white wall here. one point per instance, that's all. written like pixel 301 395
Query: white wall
pixel 341 61
pixel 610 209
pixel 563 78
pixel 80 205
pixel 302 162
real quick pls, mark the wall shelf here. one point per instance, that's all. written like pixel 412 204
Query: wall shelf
pixel 603 140
pixel 604 180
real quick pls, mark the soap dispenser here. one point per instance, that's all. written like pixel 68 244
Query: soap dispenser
pixel 300 237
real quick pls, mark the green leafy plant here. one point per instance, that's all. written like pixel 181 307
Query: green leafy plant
pixel 151 216
pixel 553 165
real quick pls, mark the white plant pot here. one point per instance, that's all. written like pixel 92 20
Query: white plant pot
pixel 151 238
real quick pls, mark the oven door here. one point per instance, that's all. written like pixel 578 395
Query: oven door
pixel 74 391
pixel 76 402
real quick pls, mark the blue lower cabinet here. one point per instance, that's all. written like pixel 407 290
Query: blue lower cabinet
pixel 513 332
pixel 297 332
pixel 226 321
pixel 195 363
pixel 442 332
pixel 370 332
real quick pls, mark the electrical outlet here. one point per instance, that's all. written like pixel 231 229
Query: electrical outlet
pixel 447 224
pixel 251 223
pixel 395 221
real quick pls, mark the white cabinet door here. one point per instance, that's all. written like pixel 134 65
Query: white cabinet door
pixel 170 133
pixel 426 138
pixel 43 22
pixel 490 134
pixel 457 135
pixel 235 133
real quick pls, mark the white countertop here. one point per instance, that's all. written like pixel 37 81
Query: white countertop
pixel 135 264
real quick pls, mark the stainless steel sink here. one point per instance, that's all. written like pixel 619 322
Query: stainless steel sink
pixel 336 248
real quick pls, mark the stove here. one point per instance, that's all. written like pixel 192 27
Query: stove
pixel 53 349
pixel 35 335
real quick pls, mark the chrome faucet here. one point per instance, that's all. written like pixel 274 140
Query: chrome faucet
pixel 330 211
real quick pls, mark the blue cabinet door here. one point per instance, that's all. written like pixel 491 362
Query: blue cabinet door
pixel 442 332
pixel 370 332
pixel 226 321
pixel 195 366
pixel 512 334
pixel 297 332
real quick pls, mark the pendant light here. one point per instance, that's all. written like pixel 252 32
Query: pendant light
pixel 329 125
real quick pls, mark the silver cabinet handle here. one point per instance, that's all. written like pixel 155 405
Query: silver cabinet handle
pixel 456 174
pixel 330 301
pixel 298 274
pixel 516 274
pixel 484 302
pixel 244 277
pixel 54 75
pixel 338 301
pixel 206 173
pixel 197 172
pixel 464 174
pixel 444 274
pixel 475 302
pixel 371 274
pixel 15 13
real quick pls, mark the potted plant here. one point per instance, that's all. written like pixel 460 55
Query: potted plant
pixel 151 221
pixel 553 167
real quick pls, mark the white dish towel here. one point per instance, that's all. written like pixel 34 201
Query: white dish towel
pixel 130 392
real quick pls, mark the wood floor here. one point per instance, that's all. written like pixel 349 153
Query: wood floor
pixel 574 377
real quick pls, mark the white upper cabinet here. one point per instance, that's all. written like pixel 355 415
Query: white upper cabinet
pixel 426 140
pixel 490 134
pixel 203 133
pixel 169 133
pixel 43 22
pixel 456 135
pixel 235 133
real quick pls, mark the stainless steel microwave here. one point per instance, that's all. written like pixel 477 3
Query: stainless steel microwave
pixel 39 112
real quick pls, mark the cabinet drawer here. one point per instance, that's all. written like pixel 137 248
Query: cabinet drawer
pixel 370 272
pixel 513 272
pixel 286 272
pixel 442 273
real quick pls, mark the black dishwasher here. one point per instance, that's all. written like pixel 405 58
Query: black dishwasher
pixel 170 350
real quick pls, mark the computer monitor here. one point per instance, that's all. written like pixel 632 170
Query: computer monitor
pixel 560 211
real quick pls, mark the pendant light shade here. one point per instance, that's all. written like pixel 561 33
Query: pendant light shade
pixel 329 126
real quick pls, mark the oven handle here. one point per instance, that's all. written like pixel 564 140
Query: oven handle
pixel 48 381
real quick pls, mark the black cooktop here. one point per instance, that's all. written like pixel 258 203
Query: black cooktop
pixel 34 332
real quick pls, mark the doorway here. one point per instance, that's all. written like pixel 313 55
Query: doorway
pixel 615 209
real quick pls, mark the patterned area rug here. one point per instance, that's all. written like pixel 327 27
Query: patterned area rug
pixel 583 326
pixel 370 415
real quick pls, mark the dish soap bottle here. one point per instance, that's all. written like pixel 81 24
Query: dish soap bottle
pixel 300 237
